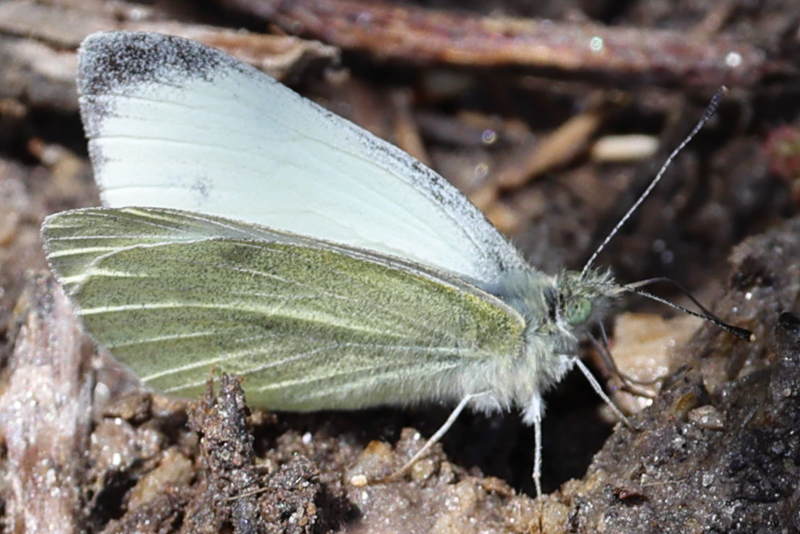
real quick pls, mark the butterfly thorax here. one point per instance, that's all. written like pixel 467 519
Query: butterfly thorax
pixel 553 304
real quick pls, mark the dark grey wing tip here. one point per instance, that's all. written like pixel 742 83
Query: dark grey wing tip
pixel 113 61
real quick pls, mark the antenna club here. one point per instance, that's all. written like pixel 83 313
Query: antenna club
pixel 741 333
pixel 713 105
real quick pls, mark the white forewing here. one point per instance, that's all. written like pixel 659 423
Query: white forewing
pixel 175 124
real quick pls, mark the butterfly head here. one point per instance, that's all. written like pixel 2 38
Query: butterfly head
pixel 578 298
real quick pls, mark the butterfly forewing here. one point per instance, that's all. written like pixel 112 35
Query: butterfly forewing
pixel 175 124
pixel 309 325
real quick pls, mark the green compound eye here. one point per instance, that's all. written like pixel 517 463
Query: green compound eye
pixel 578 311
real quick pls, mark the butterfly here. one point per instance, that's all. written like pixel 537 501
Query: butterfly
pixel 248 230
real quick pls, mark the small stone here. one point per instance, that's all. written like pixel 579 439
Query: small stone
pixel 707 417
pixel 358 481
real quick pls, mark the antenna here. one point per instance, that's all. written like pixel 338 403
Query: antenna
pixel 741 333
pixel 709 112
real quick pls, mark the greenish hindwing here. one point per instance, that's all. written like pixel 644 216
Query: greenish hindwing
pixel 308 324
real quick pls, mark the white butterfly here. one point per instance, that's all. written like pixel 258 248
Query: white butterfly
pixel 248 229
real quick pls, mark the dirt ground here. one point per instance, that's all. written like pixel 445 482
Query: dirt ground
pixel 507 101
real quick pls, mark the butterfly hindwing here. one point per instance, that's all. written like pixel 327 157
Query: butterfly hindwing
pixel 309 325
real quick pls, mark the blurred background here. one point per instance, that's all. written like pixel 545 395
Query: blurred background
pixel 552 117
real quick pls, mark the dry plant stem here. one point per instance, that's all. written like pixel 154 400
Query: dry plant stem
pixel 428 35
pixel 556 148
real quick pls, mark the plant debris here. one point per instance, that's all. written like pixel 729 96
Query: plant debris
pixel 506 99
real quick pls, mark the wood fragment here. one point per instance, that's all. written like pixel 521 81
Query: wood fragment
pixel 37 75
pixel 280 56
pixel 437 36
pixel 45 415
pixel 59 27
pixel 619 148
pixel 38 43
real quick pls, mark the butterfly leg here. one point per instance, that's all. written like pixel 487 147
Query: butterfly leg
pixel 435 437
pixel 533 416
pixel 599 390
pixel 537 455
